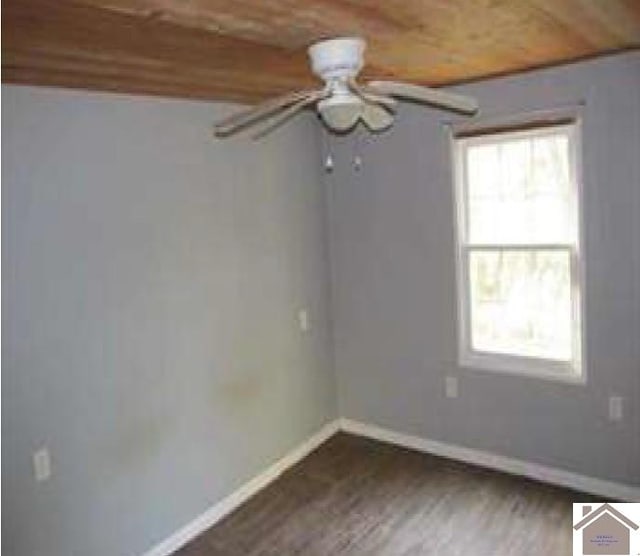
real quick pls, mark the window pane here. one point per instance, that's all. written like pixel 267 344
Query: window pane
pixel 519 191
pixel 521 302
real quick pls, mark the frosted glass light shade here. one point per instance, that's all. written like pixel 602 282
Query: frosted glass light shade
pixel 376 118
pixel 341 112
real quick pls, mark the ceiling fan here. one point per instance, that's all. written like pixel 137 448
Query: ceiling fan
pixel 342 102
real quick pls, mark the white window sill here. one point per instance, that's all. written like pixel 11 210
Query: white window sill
pixel 544 369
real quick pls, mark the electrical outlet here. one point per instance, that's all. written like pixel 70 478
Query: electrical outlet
pixel 303 320
pixel 451 387
pixel 41 465
pixel 615 408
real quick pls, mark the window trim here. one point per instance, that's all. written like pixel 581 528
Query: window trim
pixel 575 370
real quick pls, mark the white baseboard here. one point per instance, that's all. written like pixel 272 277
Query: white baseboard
pixel 219 510
pixel 607 489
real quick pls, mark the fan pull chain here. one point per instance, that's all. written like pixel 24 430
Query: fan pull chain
pixel 328 163
pixel 357 151
pixel 357 163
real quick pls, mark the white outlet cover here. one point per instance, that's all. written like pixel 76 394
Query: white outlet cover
pixel 303 320
pixel 615 408
pixel 451 387
pixel 41 465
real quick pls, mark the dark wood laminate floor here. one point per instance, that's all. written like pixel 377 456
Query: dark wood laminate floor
pixel 354 496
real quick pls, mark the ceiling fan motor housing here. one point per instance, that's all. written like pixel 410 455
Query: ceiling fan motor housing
pixel 337 59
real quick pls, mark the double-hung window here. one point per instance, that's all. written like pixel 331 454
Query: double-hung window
pixel 519 258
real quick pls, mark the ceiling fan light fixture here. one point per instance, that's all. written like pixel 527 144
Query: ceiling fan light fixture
pixel 376 118
pixel 341 112
pixel 342 102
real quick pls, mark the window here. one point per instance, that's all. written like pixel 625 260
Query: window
pixel 519 262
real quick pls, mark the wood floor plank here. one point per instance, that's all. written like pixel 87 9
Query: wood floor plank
pixel 358 497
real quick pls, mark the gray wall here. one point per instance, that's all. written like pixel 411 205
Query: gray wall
pixel 394 293
pixel 151 282
pixel 152 278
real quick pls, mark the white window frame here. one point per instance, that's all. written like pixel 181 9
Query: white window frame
pixel 573 371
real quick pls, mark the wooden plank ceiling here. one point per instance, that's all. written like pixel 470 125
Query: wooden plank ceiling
pixel 247 50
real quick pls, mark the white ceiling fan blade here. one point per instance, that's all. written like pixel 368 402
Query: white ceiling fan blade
pixel 376 117
pixel 242 119
pixel 289 112
pixel 372 96
pixel 437 97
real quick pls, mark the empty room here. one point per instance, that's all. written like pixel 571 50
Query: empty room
pixel 320 277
